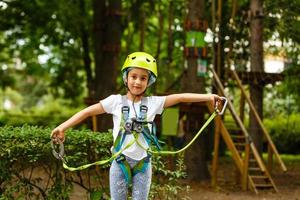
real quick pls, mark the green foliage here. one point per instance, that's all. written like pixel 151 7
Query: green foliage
pixel 291 84
pixel 283 25
pixel 51 113
pixel 30 171
pixel 6 78
pixel 278 101
pixel 283 18
pixel 167 184
pixel 47 33
pixel 285 132
pixel 26 151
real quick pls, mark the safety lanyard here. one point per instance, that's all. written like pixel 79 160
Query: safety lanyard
pixel 60 154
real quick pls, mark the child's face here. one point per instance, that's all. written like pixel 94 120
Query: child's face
pixel 137 80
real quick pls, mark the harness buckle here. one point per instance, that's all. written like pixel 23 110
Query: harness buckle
pixel 120 158
pixel 125 111
pixel 143 112
pixel 134 125
pixel 128 126
pixel 143 109
pixel 147 159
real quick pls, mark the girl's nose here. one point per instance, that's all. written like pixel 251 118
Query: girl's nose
pixel 138 80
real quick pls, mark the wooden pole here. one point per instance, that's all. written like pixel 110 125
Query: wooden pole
pixel 246 165
pixel 216 152
pixel 242 106
pixel 94 122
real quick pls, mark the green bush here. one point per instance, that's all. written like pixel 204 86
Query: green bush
pixel 285 132
pixel 26 150
pixel 25 153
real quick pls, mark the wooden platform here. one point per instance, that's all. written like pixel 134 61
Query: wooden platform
pixel 261 78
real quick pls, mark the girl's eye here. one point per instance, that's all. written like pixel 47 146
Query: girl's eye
pixel 134 77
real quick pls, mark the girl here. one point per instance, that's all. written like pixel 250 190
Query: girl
pixel 133 115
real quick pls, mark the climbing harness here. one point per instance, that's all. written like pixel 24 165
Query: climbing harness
pixel 137 127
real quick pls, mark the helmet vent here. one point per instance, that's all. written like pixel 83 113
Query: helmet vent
pixel 147 60
pixel 133 58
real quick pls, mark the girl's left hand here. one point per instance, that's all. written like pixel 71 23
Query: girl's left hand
pixel 216 100
pixel 57 135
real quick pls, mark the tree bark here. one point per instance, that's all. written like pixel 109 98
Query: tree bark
pixel 86 50
pixel 195 156
pixel 142 29
pixel 257 65
pixel 107 40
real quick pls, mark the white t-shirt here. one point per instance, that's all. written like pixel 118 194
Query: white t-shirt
pixel 113 105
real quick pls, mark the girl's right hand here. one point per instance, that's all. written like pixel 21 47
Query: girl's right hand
pixel 57 135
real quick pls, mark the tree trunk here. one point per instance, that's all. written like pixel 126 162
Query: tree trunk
pixel 160 32
pixel 142 28
pixel 107 40
pixel 195 156
pixel 86 50
pixel 256 48
pixel 170 33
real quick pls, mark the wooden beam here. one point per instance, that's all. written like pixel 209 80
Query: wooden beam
pixel 216 151
pixel 94 121
pixel 261 78
pixel 268 137
pixel 246 164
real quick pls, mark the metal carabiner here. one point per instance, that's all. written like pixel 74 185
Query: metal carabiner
pixel 60 153
pixel 224 99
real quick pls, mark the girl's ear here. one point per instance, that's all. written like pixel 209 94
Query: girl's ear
pixel 125 77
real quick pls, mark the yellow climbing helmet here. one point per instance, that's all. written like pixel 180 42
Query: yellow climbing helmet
pixel 141 60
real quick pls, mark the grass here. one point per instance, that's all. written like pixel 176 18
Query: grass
pixel 291 159
pixel 286 158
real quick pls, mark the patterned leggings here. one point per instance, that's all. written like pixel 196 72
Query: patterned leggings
pixel 140 182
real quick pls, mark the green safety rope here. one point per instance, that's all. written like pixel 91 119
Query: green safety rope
pixel 102 162
pixel 212 116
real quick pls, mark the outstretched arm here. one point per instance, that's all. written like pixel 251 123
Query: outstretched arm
pixel 58 132
pixel 174 99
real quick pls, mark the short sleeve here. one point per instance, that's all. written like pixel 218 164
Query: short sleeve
pixel 159 102
pixel 109 103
